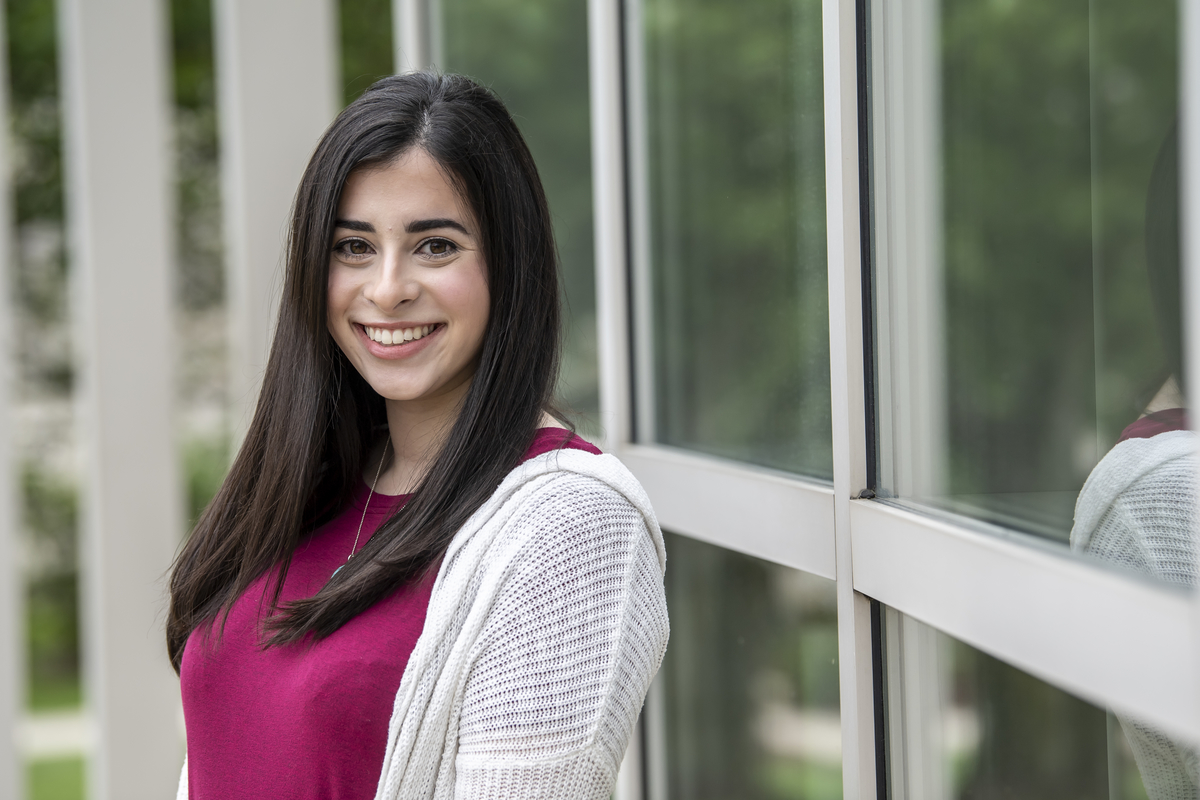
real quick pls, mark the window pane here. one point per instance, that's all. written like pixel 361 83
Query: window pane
pixel 963 725
pixel 1026 244
pixel 748 691
pixel 534 55
pixel 729 191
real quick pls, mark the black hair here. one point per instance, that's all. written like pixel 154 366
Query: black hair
pixel 316 417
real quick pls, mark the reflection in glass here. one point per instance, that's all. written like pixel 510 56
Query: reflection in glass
pixel 1019 329
pixel 1137 509
pixel 729 193
pixel 748 691
pixel 534 54
pixel 964 726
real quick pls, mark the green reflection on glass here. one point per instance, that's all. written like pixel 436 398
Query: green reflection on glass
pixel 736 175
pixel 534 55
pixel 1053 115
pixel 963 725
pixel 750 679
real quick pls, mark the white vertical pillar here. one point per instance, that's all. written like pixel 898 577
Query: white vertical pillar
pixel 847 388
pixel 12 640
pixel 114 74
pixel 277 90
pixel 412 35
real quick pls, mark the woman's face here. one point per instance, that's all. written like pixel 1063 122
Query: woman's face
pixel 408 296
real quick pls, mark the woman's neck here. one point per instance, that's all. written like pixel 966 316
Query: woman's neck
pixel 417 433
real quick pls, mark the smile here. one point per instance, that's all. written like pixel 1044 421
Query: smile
pixel 389 337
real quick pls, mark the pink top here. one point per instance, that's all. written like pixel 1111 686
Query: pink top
pixel 307 720
pixel 1151 425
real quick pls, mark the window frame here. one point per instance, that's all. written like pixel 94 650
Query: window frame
pixel 1095 628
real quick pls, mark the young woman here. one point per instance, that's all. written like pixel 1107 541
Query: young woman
pixel 414 582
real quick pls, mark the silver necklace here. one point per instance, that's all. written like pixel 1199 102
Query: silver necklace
pixel 378 472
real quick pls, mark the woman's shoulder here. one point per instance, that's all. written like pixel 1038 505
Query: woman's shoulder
pixel 584 500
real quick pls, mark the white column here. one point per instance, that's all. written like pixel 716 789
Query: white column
pixel 12 639
pixel 847 389
pixel 114 74
pixel 277 91
pixel 412 35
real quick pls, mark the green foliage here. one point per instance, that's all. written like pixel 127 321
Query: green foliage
pixel 205 462
pixel 200 281
pixel 366 35
pixel 55 779
pixel 533 54
pixel 746 637
pixel 37 161
pixel 50 516
pixel 735 132
pixel 1053 115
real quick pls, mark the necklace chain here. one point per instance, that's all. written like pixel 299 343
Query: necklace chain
pixel 363 518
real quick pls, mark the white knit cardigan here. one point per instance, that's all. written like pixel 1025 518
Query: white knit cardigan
pixel 546 623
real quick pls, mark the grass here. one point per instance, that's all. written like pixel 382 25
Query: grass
pixel 55 779
pixel 798 780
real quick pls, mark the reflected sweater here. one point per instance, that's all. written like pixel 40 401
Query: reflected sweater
pixel 1138 510
pixel 546 622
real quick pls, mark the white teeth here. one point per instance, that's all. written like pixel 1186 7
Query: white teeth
pixel 387 336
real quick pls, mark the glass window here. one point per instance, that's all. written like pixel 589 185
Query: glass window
pixel 534 55
pixel 1027 268
pixel 962 724
pixel 729 222
pixel 748 692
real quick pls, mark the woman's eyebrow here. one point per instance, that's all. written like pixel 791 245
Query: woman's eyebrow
pixel 422 225
pixel 354 225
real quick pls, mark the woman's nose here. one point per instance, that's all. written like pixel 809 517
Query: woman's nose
pixel 393 284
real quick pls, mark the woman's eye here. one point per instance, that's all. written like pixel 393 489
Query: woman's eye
pixel 355 248
pixel 438 248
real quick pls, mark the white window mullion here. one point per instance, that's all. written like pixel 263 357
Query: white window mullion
pixel 1112 639
pixel 1189 98
pixel 846 372
pixel 277 91
pixel 750 510
pixel 609 214
pixel 115 90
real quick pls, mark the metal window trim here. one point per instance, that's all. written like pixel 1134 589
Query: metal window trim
pixel 1189 87
pixel 1109 638
pixel 760 513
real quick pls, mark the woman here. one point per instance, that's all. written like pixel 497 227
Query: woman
pixel 414 582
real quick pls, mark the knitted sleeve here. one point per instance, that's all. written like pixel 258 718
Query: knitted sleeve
pixel 567 654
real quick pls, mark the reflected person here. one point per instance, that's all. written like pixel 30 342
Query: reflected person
pixel 1138 506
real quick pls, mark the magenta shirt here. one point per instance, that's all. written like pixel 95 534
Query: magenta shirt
pixel 307 720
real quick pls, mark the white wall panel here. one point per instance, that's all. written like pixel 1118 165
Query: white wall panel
pixel 277 90
pixel 115 90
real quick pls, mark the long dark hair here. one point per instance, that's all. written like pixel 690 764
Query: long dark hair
pixel 316 418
